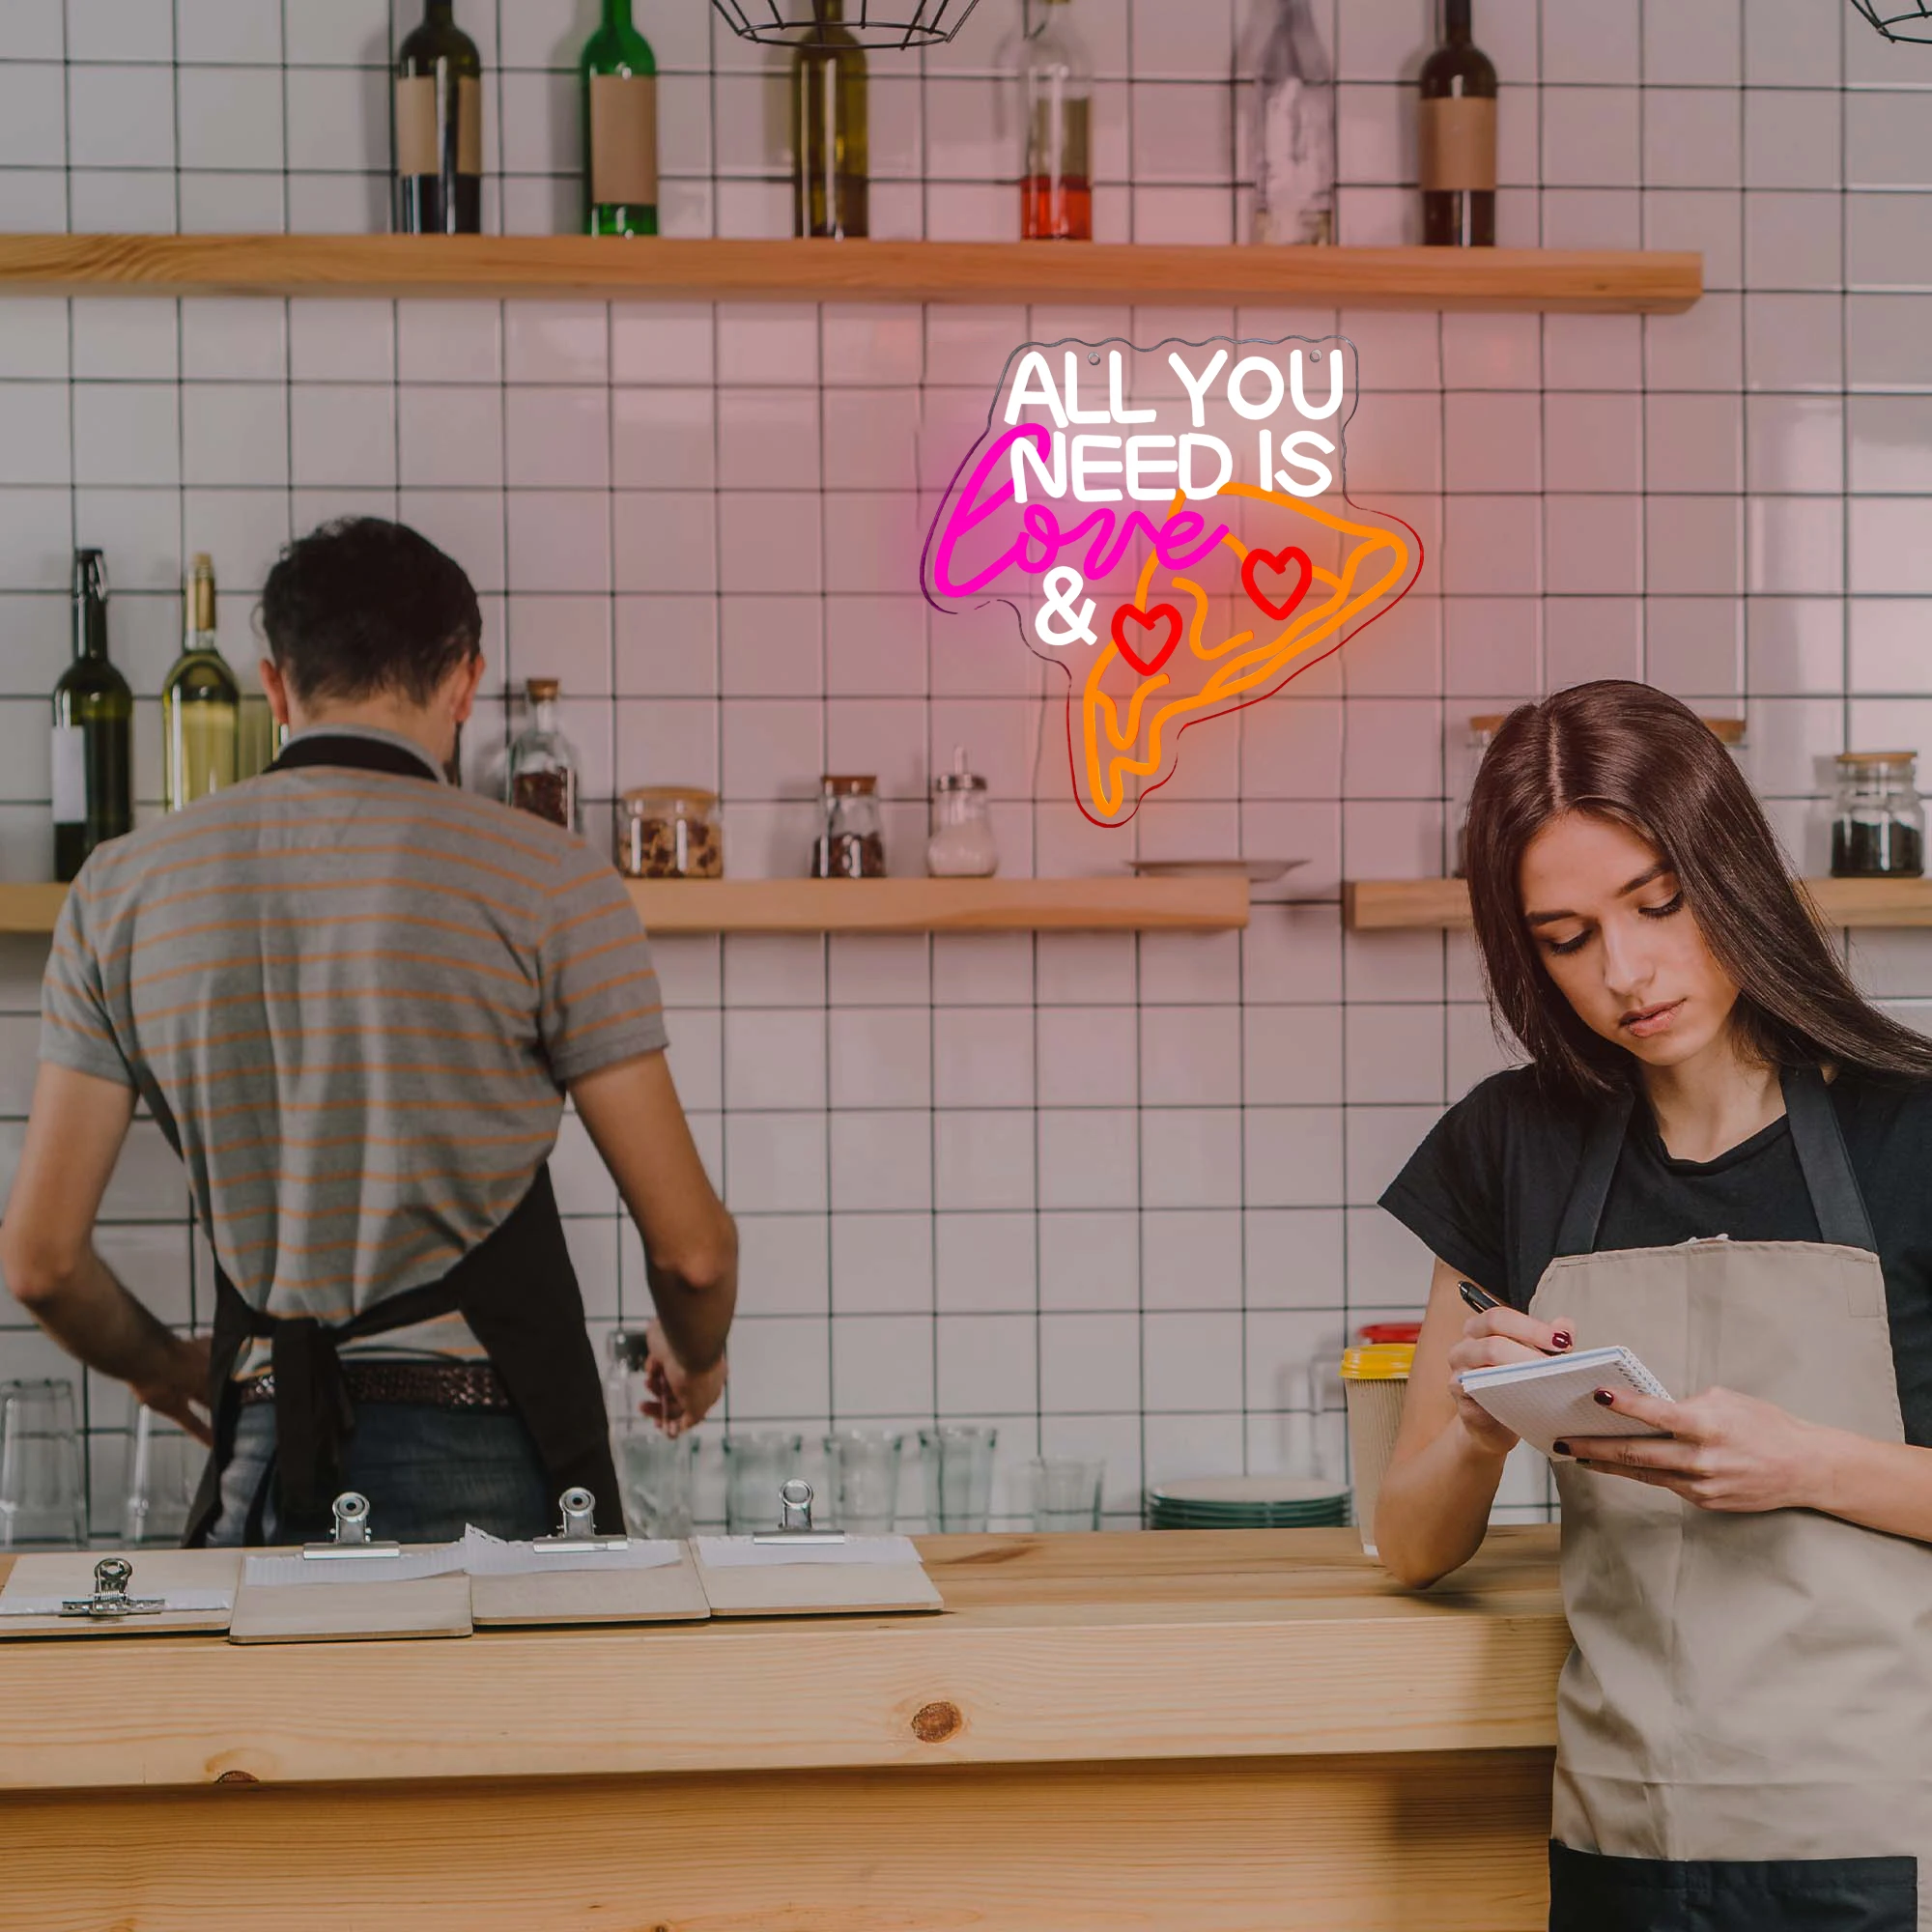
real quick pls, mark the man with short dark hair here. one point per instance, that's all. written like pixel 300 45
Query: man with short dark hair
pixel 355 997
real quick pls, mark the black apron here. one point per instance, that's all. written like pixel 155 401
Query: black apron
pixel 516 1289
pixel 1744 1723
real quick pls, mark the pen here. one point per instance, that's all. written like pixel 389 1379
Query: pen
pixel 1482 1300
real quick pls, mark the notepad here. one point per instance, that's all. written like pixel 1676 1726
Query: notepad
pixel 1554 1398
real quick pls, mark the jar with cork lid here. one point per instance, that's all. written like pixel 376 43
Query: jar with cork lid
pixel 544 766
pixel 1878 823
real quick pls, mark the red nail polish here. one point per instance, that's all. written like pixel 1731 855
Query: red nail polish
pixel 1562 1338
pixel 1605 1397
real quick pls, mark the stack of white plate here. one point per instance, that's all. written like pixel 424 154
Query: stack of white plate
pixel 1247 1502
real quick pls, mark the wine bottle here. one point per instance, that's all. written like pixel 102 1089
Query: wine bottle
pixel 93 729
pixel 620 128
pixel 1457 138
pixel 438 132
pixel 1056 122
pixel 828 127
pixel 1295 132
pixel 200 704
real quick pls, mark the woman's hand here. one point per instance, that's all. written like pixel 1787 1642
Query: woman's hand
pixel 1498 1335
pixel 1726 1451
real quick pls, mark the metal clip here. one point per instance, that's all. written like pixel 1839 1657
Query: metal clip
pixel 795 1517
pixel 351 1535
pixel 578 1531
pixel 111 1599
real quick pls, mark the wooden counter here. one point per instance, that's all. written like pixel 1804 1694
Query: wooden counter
pixel 1195 1733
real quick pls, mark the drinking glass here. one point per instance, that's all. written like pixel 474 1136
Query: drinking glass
pixel 164 1465
pixel 42 1499
pixel 1066 1494
pixel 757 1465
pixel 863 1474
pixel 658 1474
pixel 959 1462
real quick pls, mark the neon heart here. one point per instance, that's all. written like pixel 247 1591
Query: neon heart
pixel 1280 561
pixel 1147 620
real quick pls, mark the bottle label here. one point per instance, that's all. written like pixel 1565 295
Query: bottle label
pixel 1457 145
pixel 418 139
pixel 70 775
pixel 623 140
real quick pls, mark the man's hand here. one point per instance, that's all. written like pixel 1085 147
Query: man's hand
pixel 677 1399
pixel 1723 1451
pixel 178 1390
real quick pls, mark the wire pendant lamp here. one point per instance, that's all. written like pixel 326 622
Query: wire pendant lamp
pixel 1898 20
pixel 872 23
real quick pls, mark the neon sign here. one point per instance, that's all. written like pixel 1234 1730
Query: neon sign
pixel 1124 503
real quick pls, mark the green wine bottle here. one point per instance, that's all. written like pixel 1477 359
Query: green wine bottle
pixel 828 127
pixel 620 128
pixel 439 131
pixel 200 704
pixel 94 730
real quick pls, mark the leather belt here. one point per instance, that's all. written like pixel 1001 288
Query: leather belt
pixel 462 1385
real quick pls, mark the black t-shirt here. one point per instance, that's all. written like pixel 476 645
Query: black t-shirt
pixel 1486 1191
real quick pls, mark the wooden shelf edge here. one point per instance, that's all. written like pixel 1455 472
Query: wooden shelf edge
pixel 1626 281
pixel 864 905
pixel 1387 905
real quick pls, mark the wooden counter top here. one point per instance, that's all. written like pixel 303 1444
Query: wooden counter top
pixel 1113 1647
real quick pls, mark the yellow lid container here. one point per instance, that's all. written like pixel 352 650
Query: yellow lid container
pixel 1378 1362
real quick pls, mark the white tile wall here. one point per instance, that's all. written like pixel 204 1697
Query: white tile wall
pixel 1109 1193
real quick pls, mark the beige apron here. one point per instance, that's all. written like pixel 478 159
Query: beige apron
pixel 1742 1688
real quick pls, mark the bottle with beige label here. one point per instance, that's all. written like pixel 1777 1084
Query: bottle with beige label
pixel 438 115
pixel 200 704
pixel 620 128
pixel 1457 146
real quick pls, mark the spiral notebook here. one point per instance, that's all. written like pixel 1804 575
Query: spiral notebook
pixel 1552 1399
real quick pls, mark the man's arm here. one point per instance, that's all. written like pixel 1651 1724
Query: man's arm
pixel 75 1133
pixel 690 1243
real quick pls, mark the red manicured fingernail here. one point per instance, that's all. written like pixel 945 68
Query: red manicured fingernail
pixel 1605 1397
pixel 1562 1338
pixel 1561 1448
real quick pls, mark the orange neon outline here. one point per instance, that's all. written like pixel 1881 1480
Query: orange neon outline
pixel 1107 769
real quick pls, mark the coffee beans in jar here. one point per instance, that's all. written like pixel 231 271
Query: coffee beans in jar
pixel 669 832
pixel 850 844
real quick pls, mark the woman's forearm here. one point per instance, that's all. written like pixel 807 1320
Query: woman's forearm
pixel 1434 1506
pixel 1884 1486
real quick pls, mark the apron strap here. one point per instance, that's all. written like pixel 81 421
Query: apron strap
pixel 1577 1233
pixel 1827 1167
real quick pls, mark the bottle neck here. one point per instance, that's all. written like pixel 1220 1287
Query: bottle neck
pixel 543 715
pixel 439 13
pixel 617 16
pixel 90 627
pixel 1456 25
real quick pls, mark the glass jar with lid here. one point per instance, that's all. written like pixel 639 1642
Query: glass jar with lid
pixel 1482 728
pixel 544 763
pixel 669 832
pixel 961 845
pixel 1878 824
pixel 850 845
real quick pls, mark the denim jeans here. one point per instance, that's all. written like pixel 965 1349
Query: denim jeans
pixel 426 1471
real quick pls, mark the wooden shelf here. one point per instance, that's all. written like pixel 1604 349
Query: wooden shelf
pixel 1381 906
pixel 489 265
pixel 867 905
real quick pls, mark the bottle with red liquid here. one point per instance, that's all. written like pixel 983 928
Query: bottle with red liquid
pixel 1056 120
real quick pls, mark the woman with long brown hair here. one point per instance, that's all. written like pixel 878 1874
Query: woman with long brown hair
pixel 1719 1157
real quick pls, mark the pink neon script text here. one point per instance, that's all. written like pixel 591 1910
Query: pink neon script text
pixel 1177 539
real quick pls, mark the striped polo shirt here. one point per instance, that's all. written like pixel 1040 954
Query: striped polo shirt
pixel 353 1000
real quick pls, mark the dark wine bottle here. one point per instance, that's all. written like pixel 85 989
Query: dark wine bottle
pixel 620 128
pixel 93 728
pixel 439 131
pixel 828 127
pixel 1457 138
